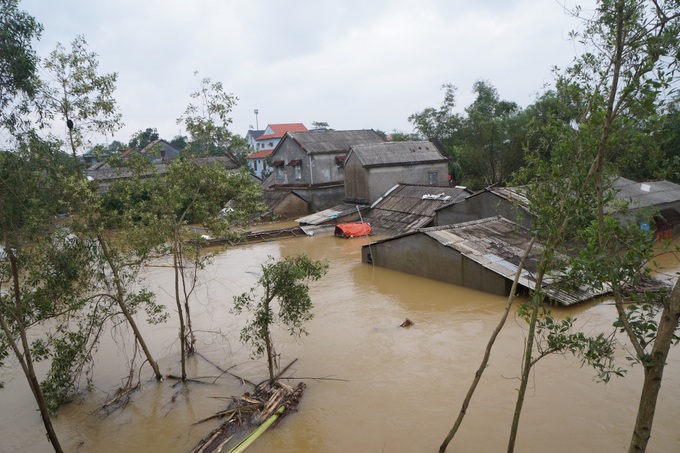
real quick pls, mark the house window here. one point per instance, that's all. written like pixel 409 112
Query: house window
pixel 432 178
pixel 271 144
pixel 298 171
pixel 255 165
pixel 278 164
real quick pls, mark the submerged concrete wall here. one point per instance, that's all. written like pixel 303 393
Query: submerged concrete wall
pixel 418 254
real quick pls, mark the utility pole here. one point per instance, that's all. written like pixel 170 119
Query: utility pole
pixel 257 125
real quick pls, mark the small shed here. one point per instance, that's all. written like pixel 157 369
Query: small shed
pixel 481 254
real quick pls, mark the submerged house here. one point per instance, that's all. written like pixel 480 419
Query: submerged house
pixel 407 207
pixel 372 169
pixel 482 254
pixel 284 204
pixel 312 164
pixel 658 202
pixel 105 175
pixel 508 202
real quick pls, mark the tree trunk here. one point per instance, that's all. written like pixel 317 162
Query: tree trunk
pixel 191 338
pixel 182 335
pixel 120 299
pixel 25 357
pixel 269 347
pixel 654 372
pixel 526 365
pixel 609 118
pixel 487 351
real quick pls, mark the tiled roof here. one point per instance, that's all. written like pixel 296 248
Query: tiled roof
pixel 279 130
pixel 260 154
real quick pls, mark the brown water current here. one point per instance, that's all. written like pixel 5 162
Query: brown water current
pixel 399 389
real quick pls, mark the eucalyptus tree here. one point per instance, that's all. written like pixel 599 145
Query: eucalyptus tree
pixel 618 83
pixel 443 125
pixel 47 272
pixel 217 202
pixel 207 120
pixel 18 61
pixel 491 145
pixel 285 282
pixel 75 93
pixel 628 77
pixel 142 138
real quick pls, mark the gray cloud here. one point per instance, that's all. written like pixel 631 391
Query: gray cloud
pixel 352 64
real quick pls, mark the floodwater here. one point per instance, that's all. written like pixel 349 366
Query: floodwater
pixel 379 387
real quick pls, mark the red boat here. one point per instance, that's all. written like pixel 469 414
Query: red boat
pixel 351 230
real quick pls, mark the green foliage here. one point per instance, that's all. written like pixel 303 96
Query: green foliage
pixel 179 142
pixel 558 337
pixel 142 138
pixel 18 61
pixel 74 91
pixel 491 146
pixel 206 119
pixel 440 123
pixel 323 125
pixel 485 146
pixel 285 282
pixel 61 382
pixel 643 320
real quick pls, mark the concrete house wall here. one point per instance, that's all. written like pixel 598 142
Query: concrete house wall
pixel 311 163
pixel 421 255
pixel 480 206
pixel 373 169
pixel 383 179
pixel 314 168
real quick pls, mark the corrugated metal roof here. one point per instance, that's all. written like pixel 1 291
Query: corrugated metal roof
pixel 407 207
pixel 317 142
pixel 498 244
pixel 646 194
pixel 638 195
pixel 396 153
pixel 327 215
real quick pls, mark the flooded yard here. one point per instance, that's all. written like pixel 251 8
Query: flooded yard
pixel 378 387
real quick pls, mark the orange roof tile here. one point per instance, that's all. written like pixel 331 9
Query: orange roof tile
pixel 260 154
pixel 281 129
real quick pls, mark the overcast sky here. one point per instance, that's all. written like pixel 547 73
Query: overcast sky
pixel 365 64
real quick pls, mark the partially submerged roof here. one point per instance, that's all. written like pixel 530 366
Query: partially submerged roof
pixel 333 215
pixel 326 141
pixel 407 207
pixel 646 194
pixel 637 195
pixel 273 197
pixel 397 153
pixel 498 245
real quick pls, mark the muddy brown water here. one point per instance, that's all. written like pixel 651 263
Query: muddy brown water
pixel 398 389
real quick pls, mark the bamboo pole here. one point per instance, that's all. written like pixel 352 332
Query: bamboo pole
pixel 248 441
